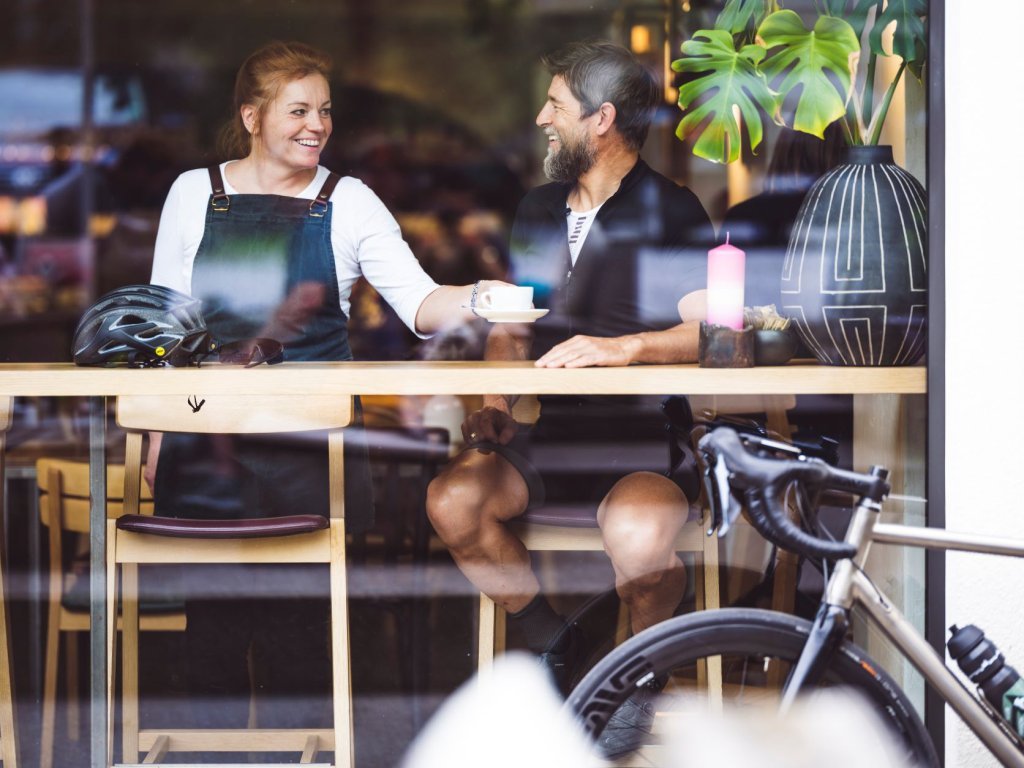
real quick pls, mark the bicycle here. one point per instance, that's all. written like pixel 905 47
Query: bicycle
pixel 768 654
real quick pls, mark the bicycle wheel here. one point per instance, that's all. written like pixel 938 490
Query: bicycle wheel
pixel 756 650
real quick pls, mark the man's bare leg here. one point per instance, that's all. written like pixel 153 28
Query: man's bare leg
pixel 640 519
pixel 469 504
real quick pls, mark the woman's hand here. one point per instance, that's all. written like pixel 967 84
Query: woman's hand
pixel 149 473
pixel 490 425
pixel 450 303
pixel 483 298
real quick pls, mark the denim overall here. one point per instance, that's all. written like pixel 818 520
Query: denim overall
pixel 265 267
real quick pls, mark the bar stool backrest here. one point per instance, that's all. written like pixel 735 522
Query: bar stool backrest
pixel 68 480
pixel 236 414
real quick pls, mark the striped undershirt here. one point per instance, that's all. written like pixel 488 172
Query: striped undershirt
pixel 578 227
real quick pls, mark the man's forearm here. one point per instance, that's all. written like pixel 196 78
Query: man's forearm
pixel 675 345
pixel 506 342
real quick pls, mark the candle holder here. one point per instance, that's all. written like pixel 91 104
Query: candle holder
pixel 722 347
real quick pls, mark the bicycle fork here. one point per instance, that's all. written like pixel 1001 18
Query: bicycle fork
pixel 827 632
pixel 833 619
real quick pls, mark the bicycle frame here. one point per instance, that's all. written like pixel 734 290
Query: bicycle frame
pixel 849 586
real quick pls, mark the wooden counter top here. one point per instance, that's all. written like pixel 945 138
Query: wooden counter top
pixel 424 378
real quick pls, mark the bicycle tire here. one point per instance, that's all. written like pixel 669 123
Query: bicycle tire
pixel 736 634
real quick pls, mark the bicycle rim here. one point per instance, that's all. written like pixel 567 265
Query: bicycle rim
pixel 756 650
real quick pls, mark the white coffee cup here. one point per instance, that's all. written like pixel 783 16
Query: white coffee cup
pixel 509 297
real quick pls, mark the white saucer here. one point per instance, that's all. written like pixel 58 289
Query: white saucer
pixel 510 315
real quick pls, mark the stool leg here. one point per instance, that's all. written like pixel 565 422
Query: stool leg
pixel 712 602
pixel 111 568
pixel 486 632
pixel 50 684
pixel 71 685
pixel 8 734
pixel 500 621
pixel 342 678
pixel 55 588
pixel 129 663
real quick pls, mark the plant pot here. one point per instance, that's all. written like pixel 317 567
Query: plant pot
pixel 855 276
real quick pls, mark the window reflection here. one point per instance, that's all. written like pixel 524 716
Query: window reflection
pixel 434 108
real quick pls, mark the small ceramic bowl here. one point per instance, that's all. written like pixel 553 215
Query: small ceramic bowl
pixel 774 347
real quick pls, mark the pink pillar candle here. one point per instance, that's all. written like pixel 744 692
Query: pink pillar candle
pixel 725 286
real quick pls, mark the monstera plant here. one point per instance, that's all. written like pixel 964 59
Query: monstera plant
pixel 762 61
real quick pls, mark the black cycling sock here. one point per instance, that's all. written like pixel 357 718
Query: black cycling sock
pixel 540 625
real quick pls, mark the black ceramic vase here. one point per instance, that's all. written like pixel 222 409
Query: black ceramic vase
pixel 855 277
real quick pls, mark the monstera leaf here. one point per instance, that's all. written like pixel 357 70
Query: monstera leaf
pixel 728 92
pixel 740 15
pixel 807 59
pixel 909 40
pixel 855 12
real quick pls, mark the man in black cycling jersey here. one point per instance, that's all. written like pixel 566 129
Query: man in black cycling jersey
pixel 610 247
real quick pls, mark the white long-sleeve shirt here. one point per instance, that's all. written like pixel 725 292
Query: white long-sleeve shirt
pixel 365 238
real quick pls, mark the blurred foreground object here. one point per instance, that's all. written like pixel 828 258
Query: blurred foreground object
pixel 514 708
pixel 833 728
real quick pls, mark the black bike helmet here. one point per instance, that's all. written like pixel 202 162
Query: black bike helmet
pixel 141 326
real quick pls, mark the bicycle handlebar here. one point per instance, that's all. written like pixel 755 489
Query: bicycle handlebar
pixel 762 482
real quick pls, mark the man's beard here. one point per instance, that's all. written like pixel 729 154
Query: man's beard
pixel 571 161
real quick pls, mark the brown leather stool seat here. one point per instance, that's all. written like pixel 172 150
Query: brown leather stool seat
pixel 288 525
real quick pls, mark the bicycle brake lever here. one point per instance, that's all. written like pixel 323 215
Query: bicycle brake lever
pixel 729 506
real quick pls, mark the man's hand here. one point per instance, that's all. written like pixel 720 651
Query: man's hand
pixel 489 424
pixel 583 351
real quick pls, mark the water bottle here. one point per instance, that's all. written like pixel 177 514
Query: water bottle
pixel 982 662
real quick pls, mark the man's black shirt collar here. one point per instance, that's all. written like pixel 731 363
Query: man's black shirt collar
pixel 552 196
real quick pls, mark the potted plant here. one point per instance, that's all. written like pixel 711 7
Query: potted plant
pixel 854 278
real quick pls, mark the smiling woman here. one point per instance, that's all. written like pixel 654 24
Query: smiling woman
pixel 272 244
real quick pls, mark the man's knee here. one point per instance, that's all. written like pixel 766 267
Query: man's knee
pixel 640 519
pixel 454 500
pixel 646 490
pixel 639 543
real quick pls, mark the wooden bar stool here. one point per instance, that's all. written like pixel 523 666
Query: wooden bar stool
pixel 64 509
pixel 573 528
pixel 135 539
pixel 8 725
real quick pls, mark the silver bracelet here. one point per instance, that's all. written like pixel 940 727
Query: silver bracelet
pixel 472 298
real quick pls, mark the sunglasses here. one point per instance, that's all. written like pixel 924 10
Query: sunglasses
pixel 250 352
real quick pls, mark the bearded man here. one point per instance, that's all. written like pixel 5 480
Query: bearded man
pixel 610 247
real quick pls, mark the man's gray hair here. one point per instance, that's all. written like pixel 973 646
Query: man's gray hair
pixel 597 71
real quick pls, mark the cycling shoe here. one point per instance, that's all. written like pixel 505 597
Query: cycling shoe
pixel 630 727
pixel 564 665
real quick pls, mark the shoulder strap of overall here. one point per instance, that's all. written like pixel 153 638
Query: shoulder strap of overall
pixel 220 200
pixel 328 188
pixel 318 207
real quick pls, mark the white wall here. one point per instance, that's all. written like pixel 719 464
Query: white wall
pixel 984 324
